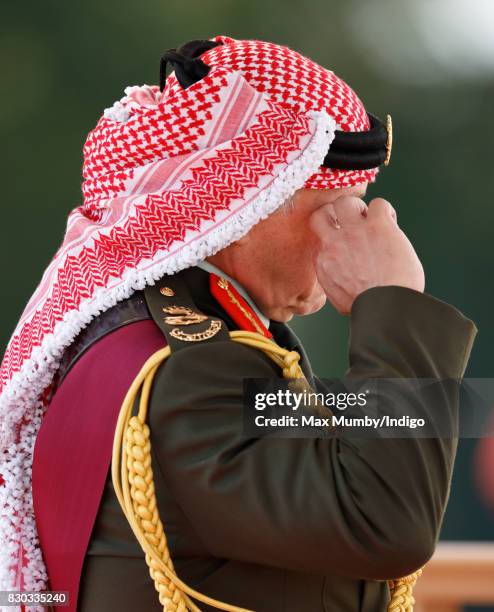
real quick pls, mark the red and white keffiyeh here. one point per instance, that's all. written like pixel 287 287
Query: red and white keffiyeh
pixel 169 179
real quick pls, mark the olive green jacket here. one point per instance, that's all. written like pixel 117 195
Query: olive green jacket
pixel 287 524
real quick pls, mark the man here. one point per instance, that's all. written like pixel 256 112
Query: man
pixel 229 199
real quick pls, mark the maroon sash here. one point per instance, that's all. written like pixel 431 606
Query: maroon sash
pixel 73 449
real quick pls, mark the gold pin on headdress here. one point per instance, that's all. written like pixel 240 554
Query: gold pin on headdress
pixel 389 142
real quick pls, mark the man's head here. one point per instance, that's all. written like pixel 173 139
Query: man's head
pixel 213 153
pixel 274 262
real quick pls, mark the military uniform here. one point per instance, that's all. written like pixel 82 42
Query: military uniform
pixel 284 524
pixel 173 174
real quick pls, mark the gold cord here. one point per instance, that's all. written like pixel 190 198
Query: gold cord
pixel 132 477
pixel 402 599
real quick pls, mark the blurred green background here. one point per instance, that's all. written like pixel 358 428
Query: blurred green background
pixel 429 63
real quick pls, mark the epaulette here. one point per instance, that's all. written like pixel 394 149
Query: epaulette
pixel 178 317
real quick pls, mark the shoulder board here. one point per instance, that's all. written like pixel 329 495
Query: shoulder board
pixel 175 313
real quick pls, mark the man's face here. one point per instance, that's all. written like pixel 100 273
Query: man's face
pixel 274 262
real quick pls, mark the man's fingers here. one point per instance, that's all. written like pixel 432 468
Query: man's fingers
pixel 337 296
pixel 381 208
pixel 333 215
pixel 349 209
pixel 324 219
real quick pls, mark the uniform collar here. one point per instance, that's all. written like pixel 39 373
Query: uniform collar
pixel 209 267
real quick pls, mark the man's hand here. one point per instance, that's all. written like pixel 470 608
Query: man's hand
pixel 362 247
